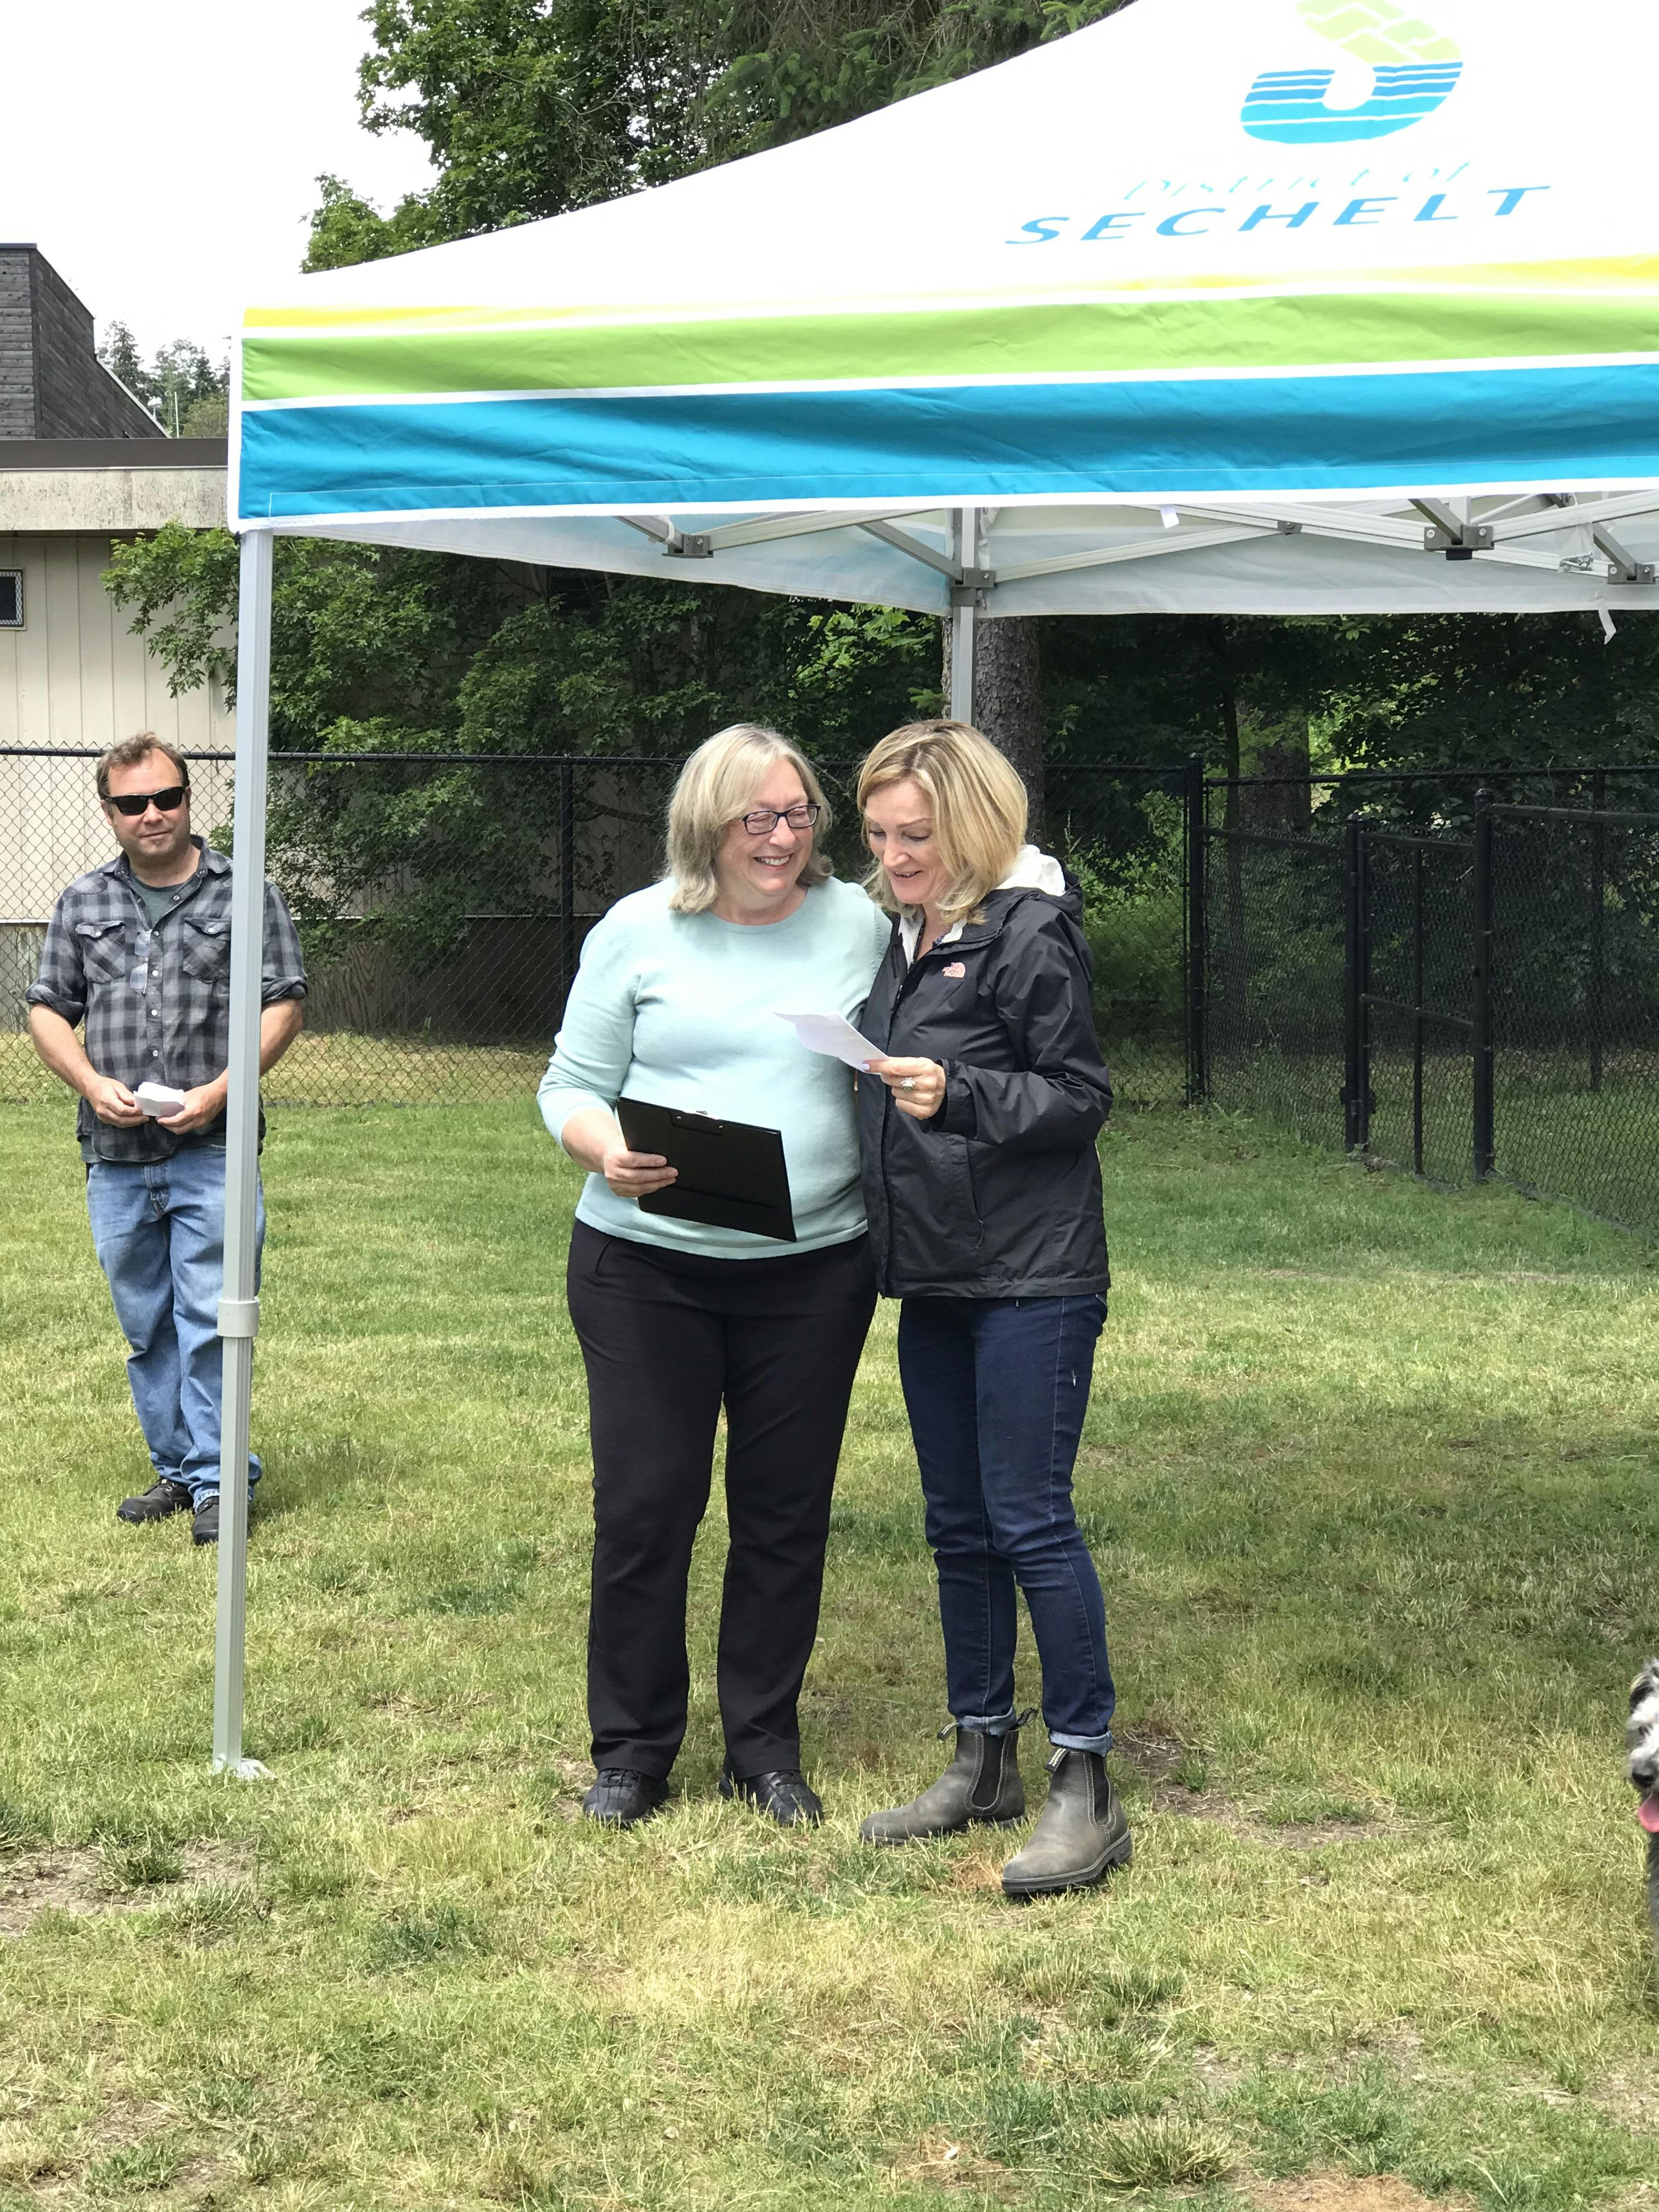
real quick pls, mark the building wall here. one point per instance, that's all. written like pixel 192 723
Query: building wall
pixel 75 396
pixel 17 345
pixel 53 384
pixel 75 676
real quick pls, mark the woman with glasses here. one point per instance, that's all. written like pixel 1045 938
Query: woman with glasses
pixel 676 1003
pixel 983 1191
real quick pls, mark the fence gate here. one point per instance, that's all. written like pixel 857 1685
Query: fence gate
pixel 1473 992
pixel 1417 1085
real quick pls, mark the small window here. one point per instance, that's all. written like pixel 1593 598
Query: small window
pixel 11 598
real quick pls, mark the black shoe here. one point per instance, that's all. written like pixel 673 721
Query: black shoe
pixel 621 1798
pixel 784 1795
pixel 155 1503
pixel 205 1528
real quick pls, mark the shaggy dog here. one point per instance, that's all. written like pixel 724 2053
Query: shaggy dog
pixel 1642 1737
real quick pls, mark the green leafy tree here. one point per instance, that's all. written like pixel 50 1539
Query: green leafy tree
pixel 532 107
pixel 186 392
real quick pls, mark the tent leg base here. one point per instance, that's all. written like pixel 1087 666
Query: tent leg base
pixel 243 1770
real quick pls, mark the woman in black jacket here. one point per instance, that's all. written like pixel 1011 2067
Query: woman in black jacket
pixel 983 1190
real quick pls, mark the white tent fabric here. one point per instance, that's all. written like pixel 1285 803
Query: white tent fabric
pixel 1276 306
pixel 1227 305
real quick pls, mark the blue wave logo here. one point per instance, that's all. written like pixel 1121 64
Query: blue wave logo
pixel 1414 68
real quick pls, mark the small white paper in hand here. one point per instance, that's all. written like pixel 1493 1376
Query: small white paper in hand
pixel 159 1100
pixel 834 1035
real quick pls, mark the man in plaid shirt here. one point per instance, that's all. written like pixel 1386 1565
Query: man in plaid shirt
pixel 139 949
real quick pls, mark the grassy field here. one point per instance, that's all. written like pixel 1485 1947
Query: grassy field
pixel 1370 1471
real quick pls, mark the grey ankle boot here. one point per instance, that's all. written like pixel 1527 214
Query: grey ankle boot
pixel 1081 1832
pixel 981 1784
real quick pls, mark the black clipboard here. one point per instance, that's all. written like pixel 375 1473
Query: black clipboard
pixel 732 1175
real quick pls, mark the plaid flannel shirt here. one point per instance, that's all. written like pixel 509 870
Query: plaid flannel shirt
pixel 156 1002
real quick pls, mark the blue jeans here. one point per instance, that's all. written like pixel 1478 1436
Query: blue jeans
pixel 158 1231
pixel 996 1389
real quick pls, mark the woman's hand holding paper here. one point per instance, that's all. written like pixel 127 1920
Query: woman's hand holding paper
pixel 917 1086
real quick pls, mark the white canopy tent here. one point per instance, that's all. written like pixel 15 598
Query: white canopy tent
pixel 1269 307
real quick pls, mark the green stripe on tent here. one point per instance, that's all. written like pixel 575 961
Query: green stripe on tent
pixel 1312 331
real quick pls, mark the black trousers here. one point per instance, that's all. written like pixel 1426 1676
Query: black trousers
pixel 667 1339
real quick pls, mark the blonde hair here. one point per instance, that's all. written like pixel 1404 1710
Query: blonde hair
pixel 979 808
pixel 718 784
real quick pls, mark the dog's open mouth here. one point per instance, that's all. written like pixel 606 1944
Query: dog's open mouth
pixel 1648 1811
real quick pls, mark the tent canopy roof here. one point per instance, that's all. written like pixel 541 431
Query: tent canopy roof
pixel 1248 305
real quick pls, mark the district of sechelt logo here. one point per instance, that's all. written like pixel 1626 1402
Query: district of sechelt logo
pixel 1414 68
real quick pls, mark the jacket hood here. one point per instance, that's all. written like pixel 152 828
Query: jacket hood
pixel 1034 870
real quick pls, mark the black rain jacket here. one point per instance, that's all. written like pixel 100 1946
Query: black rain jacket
pixel 998 1195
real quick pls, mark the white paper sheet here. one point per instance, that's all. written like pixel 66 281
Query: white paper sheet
pixel 834 1035
pixel 159 1100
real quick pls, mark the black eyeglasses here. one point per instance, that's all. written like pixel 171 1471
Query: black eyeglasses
pixel 765 819
pixel 165 802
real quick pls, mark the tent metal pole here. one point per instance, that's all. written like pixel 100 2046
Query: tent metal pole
pixel 963 608
pixel 239 1307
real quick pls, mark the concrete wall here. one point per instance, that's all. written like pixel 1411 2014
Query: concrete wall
pixel 111 484
pixel 53 384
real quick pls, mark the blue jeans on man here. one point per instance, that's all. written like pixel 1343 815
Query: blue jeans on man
pixel 158 1231
pixel 996 1390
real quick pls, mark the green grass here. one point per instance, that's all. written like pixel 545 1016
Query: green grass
pixel 1370 1475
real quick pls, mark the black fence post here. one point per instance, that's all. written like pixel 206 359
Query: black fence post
pixel 1198 936
pixel 1598 932
pixel 1485 1146
pixel 1417 1009
pixel 1356 1070
pixel 567 879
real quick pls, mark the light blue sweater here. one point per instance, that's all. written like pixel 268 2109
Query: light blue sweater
pixel 682 1009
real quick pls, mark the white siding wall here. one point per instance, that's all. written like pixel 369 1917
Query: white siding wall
pixel 75 676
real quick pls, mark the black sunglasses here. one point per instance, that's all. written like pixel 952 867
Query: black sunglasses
pixel 165 802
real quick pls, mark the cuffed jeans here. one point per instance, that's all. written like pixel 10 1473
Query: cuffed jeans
pixel 159 1232
pixel 996 1389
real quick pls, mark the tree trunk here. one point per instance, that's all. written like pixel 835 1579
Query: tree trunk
pixel 1282 752
pixel 1008 699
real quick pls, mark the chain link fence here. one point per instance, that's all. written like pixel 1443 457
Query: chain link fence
pixel 1457 976
pixel 1574 968
pixel 1455 985
pixel 1273 980
pixel 443 899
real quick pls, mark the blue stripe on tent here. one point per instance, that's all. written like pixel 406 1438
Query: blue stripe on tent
pixel 766 449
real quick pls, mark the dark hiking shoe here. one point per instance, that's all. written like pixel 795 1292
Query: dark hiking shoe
pixel 155 1503
pixel 621 1798
pixel 1081 1833
pixel 205 1528
pixel 981 1784
pixel 783 1794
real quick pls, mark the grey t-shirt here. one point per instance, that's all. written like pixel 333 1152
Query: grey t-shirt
pixel 158 900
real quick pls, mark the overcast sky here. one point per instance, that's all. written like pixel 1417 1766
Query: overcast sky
pixel 163 154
